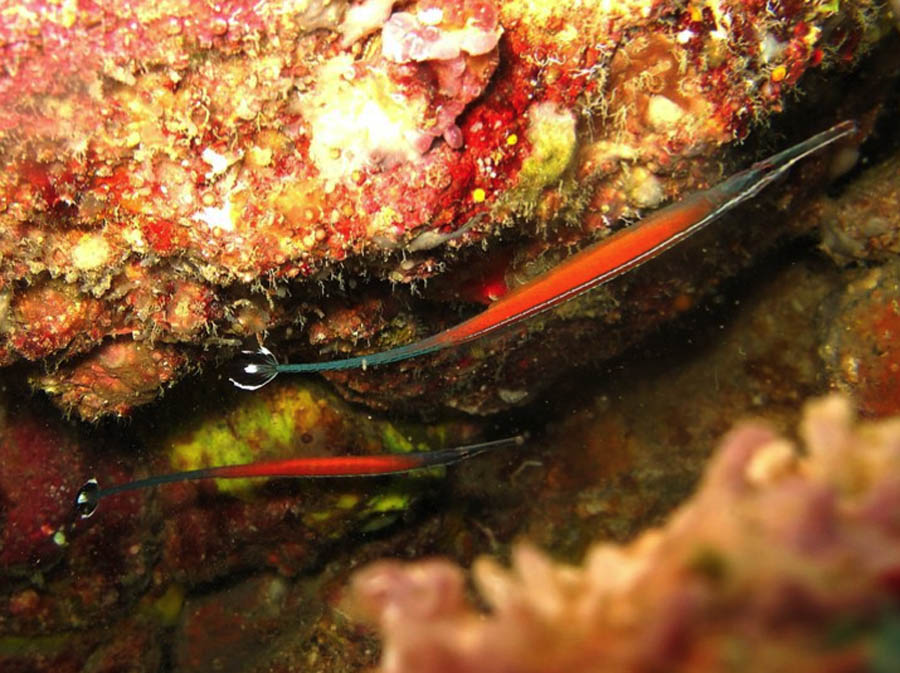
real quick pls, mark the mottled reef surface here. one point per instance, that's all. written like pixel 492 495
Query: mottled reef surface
pixel 329 177
pixel 182 181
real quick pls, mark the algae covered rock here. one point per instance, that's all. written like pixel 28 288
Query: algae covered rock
pixel 66 579
pixel 178 183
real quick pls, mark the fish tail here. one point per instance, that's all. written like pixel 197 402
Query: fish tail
pixel 254 369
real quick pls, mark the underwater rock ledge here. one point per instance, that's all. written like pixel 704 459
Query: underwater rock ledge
pixel 787 558
pixel 181 180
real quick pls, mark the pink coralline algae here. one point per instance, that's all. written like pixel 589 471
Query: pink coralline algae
pixel 446 37
pixel 441 32
pixel 190 177
pixel 782 561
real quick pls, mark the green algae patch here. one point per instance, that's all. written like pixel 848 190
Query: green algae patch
pixel 262 427
pixel 21 646
pixel 394 440
pixel 885 651
pixel 404 437
pixel 552 136
pixel 387 502
pixel 383 509
pixel 299 418
pixel 347 501
pixel 314 518
pixel 551 132
pixel 165 609
pixel 546 189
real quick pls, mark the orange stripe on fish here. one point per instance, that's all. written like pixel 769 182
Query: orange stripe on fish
pixel 90 494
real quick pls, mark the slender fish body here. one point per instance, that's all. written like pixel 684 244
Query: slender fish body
pixel 595 265
pixel 89 495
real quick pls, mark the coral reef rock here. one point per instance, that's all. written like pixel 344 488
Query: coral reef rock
pixel 181 179
pixel 61 574
pixel 865 222
pixel 784 560
pixel 859 344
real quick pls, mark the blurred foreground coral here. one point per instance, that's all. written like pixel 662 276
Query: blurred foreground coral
pixel 787 558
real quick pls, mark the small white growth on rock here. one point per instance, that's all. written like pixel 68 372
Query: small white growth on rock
pixel 431 16
pixel 770 49
pixel 644 189
pixel 260 156
pixel 359 121
pixel 217 163
pixel 364 18
pixel 91 252
pixel 216 218
pixel 512 396
pixel 135 239
pixel 684 36
pixel 663 112
pixel 775 460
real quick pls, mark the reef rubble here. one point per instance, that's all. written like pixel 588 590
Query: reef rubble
pixel 180 181
pixel 787 558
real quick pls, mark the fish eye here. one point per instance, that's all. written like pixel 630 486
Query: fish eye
pixel 252 370
pixel 87 499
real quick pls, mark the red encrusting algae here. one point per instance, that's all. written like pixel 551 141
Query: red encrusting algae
pixel 252 150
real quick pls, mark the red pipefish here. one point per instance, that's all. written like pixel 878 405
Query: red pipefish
pixel 595 265
pixel 89 495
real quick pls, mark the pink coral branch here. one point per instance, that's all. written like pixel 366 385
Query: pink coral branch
pixel 772 549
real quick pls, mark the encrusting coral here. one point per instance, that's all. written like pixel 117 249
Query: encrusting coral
pixel 784 560
pixel 180 180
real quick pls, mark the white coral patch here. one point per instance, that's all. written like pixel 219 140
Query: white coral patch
pixel 684 36
pixel 770 49
pixel 135 239
pixel 644 189
pixel 663 112
pixel 217 162
pixel 430 16
pixel 216 218
pixel 364 18
pixel 357 122
pixel 91 252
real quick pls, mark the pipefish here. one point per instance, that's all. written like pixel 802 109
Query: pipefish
pixel 88 498
pixel 597 264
